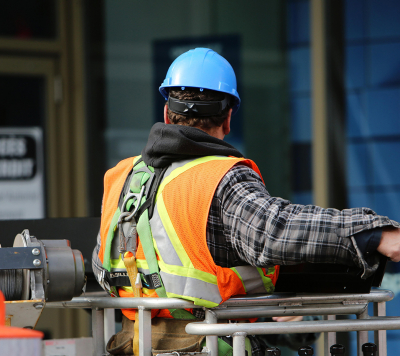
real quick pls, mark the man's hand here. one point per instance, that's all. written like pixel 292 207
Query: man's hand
pixel 390 243
pixel 287 318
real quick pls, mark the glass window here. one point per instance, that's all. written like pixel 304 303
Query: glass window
pixel 22 100
pixel 27 19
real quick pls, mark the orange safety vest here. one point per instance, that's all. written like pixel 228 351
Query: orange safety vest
pixel 183 203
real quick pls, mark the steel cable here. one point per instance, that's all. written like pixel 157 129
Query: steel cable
pixel 11 282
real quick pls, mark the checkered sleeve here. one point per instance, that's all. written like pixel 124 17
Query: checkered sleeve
pixel 266 230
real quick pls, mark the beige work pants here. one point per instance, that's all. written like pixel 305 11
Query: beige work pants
pixel 167 335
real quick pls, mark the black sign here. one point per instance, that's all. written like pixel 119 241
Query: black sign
pixel 17 157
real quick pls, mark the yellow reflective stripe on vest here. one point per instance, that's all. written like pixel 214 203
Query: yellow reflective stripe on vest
pixel 268 285
pixel 164 234
pixel 251 278
pixel 117 263
pixel 196 301
pixel 187 166
pixel 178 275
pixel 199 291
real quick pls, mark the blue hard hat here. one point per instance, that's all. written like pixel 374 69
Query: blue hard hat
pixel 202 68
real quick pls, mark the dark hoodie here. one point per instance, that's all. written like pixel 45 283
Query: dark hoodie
pixel 171 143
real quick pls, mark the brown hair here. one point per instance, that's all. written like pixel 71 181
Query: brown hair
pixel 205 123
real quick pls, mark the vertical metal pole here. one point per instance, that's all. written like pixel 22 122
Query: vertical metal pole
pixel 362 336
pixel 98 331
pixel 380 335
pixel 319 104
pixel 109 323
pixel 239 344
pixel 328 103
pixel 329 337
pixel 144 332
pixel 211 341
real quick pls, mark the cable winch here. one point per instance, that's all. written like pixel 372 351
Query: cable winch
pixel 41 269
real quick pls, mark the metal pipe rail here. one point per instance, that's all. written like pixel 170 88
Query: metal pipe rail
pixel 372 323
pixel 375 296
pixel 241 330
pixel 249 306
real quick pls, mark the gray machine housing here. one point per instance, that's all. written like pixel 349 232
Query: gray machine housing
pixel 51 270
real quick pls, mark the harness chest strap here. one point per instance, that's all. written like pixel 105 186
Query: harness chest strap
pixel 146 239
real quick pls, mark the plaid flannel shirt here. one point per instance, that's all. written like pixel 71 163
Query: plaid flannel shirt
pixel 246 224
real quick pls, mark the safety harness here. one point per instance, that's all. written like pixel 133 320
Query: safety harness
pixel 132 218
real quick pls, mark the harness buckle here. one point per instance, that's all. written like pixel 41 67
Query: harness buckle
pixel 129 196
pixel 127 216
pixel 152 281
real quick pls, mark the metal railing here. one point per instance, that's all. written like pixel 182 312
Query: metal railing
pixel 328 305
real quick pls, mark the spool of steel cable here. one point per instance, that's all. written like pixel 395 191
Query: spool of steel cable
pixel 11 282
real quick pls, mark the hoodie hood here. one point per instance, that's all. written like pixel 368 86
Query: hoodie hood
pixel 170 143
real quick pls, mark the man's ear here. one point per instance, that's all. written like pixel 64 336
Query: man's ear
pixel 166 118
pixel 226 126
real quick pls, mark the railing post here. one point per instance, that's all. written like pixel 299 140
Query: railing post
pixel 98 331
pixel 109 323
pixel 144 332
pixel 211 341
pixel 329 337
pixel 362 336
pixel 380 335
pixel 239 344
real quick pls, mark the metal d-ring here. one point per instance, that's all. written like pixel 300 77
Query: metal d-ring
pixel 127 216
pixel 139 199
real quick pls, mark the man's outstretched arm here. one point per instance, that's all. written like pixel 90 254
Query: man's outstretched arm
pixel 266 230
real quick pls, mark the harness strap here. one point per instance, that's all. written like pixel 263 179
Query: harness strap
pixel 143 209
pixel 146 239
pixel 135 341
pixel 131 268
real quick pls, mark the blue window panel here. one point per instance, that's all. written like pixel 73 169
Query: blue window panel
pixel 385 165
pixel 393 309
pixel 303 198
pixel 355 13
pixel 359 157
pixel 360 199
pixel 356 120
pixel 383 18
pixel 383 111
pixel 355 66
pixel 301 118
pixel 299 62
pixel 298 22
pixel 387 203
pixel 384 64
pixel 393 338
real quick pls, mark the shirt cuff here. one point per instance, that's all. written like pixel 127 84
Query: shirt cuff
pixel 368 241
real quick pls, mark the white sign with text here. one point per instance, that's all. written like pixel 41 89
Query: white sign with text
pixel 22 193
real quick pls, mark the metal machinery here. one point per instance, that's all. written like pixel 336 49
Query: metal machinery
pixel 250 306
pixel 48 273
pixel 331 301
pixel 34 272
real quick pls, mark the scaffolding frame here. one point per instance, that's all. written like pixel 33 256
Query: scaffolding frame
pixel 328 305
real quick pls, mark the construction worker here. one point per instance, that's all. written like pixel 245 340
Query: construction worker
pixel 208 228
